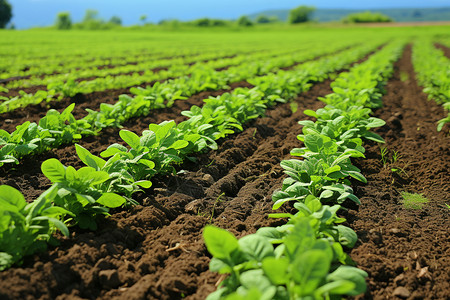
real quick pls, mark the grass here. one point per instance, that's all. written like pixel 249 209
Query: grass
pixel 413 200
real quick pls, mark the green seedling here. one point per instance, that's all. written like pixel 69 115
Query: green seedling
pixel 413 200
pixel 384 159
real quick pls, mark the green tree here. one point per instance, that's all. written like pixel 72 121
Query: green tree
pixel 91 20
pixel 63 20
pixel 367 17
pixel 90 14
pixel 5 13
pixel 300 14
pixel 244 21
pixel 115 20
pixel 262 19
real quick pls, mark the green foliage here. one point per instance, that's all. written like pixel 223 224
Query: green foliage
pixel 80 192
pixel 115 20
pixel 309 261
pixel 300 14
pixel 367 17
pixel 244 21
pixel 431 67
pixel 304 265
pixel 63 21
pixel 26 228
pixel 5 13
pixel 262 19
pixel 413 200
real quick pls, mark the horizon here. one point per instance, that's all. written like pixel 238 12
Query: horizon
pixel 40 13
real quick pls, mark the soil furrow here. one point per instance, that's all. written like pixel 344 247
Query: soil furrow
pixel 444 49
pixel 405 251
pixel 34 113
pixel 28 178
pixel 156 251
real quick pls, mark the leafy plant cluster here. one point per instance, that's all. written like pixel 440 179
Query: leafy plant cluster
pixel 69 84
pixel 64 127
pixel 432 69
pixel 304 259
pixel 109 181
pixel 178 65
pixel 63 62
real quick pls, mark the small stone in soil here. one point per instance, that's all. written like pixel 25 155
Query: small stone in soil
pixel 401 292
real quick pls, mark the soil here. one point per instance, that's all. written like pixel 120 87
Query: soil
pixel 156 251
pixel 444 49
pixel 28 178
pixel 405 251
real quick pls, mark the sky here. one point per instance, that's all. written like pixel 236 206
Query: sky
pixel 28 13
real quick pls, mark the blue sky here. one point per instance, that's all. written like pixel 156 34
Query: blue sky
pixel 29 13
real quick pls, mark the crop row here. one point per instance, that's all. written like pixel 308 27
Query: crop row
pixel 57 89
pixel 432 69
pixel 142 65
pixel 79 197
pixel 58 128
pixel 305 258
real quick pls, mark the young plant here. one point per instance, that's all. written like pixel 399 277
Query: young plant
pixel 413 200
pixel 79 192
pixel 27 228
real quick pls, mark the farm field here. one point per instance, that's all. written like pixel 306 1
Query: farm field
pixel 133 224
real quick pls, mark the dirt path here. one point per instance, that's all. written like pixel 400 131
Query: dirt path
pixel 405 251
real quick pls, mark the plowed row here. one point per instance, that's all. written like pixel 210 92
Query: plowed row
pixel 156 251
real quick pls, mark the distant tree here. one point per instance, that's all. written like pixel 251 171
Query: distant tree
pixel 262 19
pixel 5 13
pixel 218 22
pixel 90 14
pixel 367 17
pixel 300 14
pixel 204 22
pixel 115 20
pixel 91 20
pixel 63 21
pixel 143 18
pixel 244 21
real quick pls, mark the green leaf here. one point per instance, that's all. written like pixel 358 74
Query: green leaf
pixel 144 183
pixel 310 269
pixel 179 144
pixel 338 287
pixel 89 159
pixel 256 247
pixel 313 142
pixel 131 138
pixel 347 237
pixel 12 196
pixel 54 170
pixel 111 200
pixel 276 269
pixel 352 274
pixel 147 163
pixel 60 225
pixel 220 243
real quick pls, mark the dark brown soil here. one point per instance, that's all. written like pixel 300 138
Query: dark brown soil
pixel 156 251
pixel 405 251
pixel 28 178
pixel 445 49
